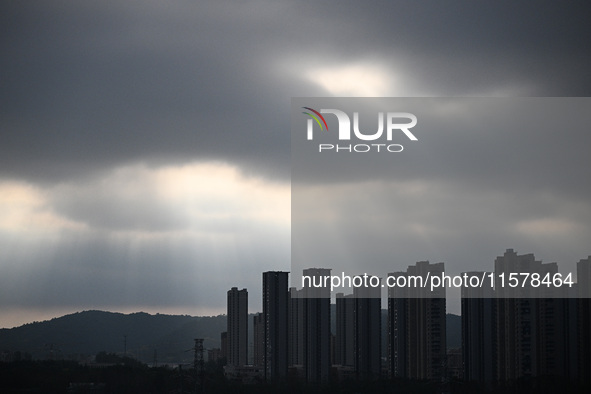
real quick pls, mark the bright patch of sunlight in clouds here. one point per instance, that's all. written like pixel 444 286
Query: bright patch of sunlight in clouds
pixel 24 210
pixel 356 80
pixel 216 190
pixel 136 200
pixel 550 228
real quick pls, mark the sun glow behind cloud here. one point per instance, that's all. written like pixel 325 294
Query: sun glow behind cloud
pixel 212 191
pixel 354 80
pixel 24 211
pixel 198 197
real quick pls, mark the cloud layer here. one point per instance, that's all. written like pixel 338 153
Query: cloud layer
pixel 145 151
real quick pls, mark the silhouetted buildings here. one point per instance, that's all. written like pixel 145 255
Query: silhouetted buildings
pixel 214 354
pixel 367 343
pixel 258 327
pixel 224 345
pixel 455 365
pixel 316 324
pixel 524 331
pixel 516 319
pixel 534 330
pixel 508 333
pixel 237 350
pixel 584 317
pixel 345 330
pixel 416 325
pixel 275 316
pixel 478 333
pixel 295 348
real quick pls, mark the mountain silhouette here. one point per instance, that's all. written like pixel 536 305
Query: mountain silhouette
pixel 79 336
pixel 145 337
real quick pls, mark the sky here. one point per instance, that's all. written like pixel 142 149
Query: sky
pixel 145 145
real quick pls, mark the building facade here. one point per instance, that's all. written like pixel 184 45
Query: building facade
pixel 367 342
pixel 478 333
pixel 317 360
pixel 237 350
pixel 417 326
pixel 275 315
pixel 258 327
pixel 345 330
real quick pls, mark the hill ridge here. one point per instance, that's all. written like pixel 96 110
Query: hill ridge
pixel 81 335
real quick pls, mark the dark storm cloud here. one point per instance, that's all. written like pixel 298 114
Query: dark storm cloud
pixel 101 84
pixel 91 85
pixel 526 145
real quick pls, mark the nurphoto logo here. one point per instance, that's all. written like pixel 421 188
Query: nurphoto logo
pixel 393 124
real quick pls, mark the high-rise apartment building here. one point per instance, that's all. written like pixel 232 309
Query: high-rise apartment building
pixel 317 334
pixel 519 330
pixel 345 330
pixel 237 322
pixel 416 322
pixel 534 336
pixel 296 328
pixel 478 332
pixel 275 315
pixel 258 327
pixel 367 343
pixel 516 315
pixel 224 346
pixel 584 319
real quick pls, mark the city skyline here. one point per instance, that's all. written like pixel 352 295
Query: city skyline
pixel 145 150
pixel 452 298
pixel 506 334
